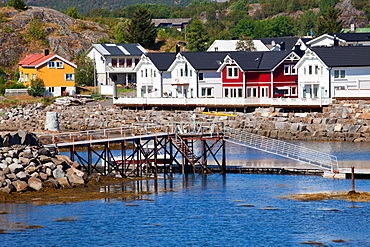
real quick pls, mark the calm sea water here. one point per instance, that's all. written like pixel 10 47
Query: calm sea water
pixel 197 210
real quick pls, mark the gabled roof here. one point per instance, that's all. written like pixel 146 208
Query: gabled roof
pixel 161 60
pixel 257 61
pixel 36 60
pixel 344 56
pixel 290 42
pixel 205 60
pixel 133 49
pixel 352 37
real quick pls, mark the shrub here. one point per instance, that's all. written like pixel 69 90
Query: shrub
pixel 37 87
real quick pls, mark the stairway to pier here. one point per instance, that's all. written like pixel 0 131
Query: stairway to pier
pixel 285 149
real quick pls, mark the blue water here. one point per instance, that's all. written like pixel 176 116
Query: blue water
pixel 201 210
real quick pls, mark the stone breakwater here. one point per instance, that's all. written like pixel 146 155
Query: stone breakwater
pixel 341 121
pixel 24 168
pixel 25 165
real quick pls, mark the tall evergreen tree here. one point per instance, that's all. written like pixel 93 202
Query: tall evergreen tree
pixel 197 37
pixel 329 22
pixel 141 29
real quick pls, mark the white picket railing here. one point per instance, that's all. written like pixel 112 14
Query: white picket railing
pixel 281 148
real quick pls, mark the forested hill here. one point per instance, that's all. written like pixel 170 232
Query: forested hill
pixel 84 6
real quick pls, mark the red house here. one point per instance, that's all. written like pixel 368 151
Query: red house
pixel 260 75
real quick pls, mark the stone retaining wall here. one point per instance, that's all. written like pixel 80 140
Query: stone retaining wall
pixel 341 121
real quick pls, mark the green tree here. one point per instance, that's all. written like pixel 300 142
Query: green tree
pixel 329 22
pixel 73 12
pixel 141 29
pixel 245 44
pixel 244 27
pixel 306 23
pixel 36 30
pixel 84 74
pixel 17 4
pixel 196 36
pixel 37 87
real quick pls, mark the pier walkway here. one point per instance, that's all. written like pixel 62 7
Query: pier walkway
pixel 175 142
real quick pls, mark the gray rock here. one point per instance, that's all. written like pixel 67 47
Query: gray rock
pixel 76 181
pixel 15 168
pixel 58 173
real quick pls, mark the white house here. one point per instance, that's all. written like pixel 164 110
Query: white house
pixel 153 77
pixel 334 72
pixel 345 39
pixel 195 75
pixel 114 63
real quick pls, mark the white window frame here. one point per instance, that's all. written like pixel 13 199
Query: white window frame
pixel 252 92
pixel 26 78
pixel 341 73
pixel 232 72
pixel 264 92
pixel 207 92
pixel 69 75
pixel 291 91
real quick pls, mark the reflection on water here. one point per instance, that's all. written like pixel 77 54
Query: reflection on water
pixel 199 210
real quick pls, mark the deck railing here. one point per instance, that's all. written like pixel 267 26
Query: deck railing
pixel 170 101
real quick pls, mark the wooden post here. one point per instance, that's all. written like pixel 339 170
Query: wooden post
pixel 89 160
pixel 353 178
pixel 223 168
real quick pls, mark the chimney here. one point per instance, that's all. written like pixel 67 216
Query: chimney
pixel 282 46
pixel 46 52
pixel 336 41
pixel 353 28
pixel 177 48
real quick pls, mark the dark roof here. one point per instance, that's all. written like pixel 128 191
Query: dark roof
pixel 262 60
pixel 162 60
pixel 344 56
pixel 289 41
pixel 132 49
pixel 205 60
pixel 174 22
pixel 352 37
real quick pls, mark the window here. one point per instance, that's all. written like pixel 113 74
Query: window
pixel 59 64
pixel 34 76
pixel 136 61
pixel 26 77
pixel 264 92
pixel 121 62
pixel 155 73
pixel 129 62
pixel 207 92
pixel 69 77
pixel 146 72
pixel 316 70
pixel 232 72
pixel 310 70
pixel 51 90
pixel 181 72
pixel 293 91
pixel 114 62
pixel 142 73
pixel 252 92
pixel 304 70
pixel 286 69
pixel 339 73
pixel 51 65
pixel 289 70
pixel 233 92
pixel 201 76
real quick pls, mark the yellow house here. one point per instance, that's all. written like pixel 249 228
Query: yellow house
pixel 56 72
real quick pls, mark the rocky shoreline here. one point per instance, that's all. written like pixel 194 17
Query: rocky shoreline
pixel 27 166
pixel 341 121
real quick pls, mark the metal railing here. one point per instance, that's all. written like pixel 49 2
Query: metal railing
pixel 281 148
pixel 132 130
